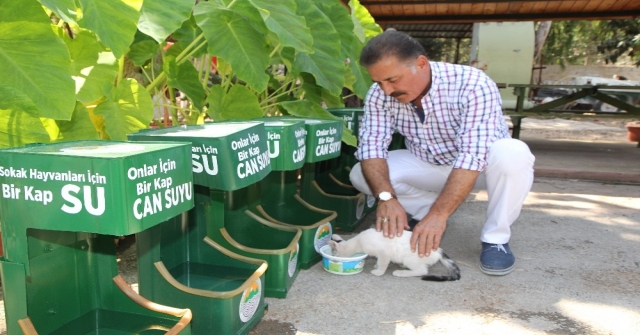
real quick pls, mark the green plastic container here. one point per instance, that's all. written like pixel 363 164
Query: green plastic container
pixel 352 118
pixel 280 202
pixel 225 156
pixel 323 137
pixel 179 264
pixel 248 234
pixel 287 143
pixel 61 205
pixel 229 159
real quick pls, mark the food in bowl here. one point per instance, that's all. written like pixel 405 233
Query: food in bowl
pixel 342 265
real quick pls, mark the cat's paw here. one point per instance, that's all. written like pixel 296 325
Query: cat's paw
pixel 377 272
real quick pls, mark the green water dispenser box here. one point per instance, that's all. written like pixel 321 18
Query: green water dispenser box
pixel 347 202
pixel 60 206
pixel 280 202
pixel 351 116
pixel 342 165
pixel 104 187
pixel 225 156
pixel 324 137
pixel 229 159
pixel 287 143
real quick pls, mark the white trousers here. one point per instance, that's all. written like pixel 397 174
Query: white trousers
pixel 507 178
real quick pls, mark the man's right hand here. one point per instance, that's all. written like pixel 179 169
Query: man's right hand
pixel 391 218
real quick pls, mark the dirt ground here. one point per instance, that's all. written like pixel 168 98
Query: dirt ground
pixel 600 129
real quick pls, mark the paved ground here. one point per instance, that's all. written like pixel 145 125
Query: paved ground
pixel 577 244
pixel 578 270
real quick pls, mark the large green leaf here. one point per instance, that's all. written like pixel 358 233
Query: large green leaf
pixel 308 109
pixel 341 21
pixel 128 110
pixel 363 22
pixel 232 37
pixel 280 17
pixel 360 78
pixel 65 9
pixel 304 108
pixel 160 18
pixel 80 127
pixel 188 31
pixel 318 94
pixel 246 9
pixel 19 121
pixel 114 21
pixel 184 36
pixel 185 78
pixel 34 60
pixel 142 49
pixel 238 103
pixel 94 69
pixel 324 64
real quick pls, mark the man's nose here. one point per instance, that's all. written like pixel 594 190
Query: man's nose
pixel 386 88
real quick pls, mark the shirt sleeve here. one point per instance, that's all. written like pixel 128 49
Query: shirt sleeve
pixel 482 123
pixel 376 129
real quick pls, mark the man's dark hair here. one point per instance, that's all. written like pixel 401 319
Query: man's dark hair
pixel 391 43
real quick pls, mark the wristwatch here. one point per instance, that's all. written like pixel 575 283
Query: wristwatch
pixel 385 196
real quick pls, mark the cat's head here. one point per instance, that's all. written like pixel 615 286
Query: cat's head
pixel 335 248
pixel 340 247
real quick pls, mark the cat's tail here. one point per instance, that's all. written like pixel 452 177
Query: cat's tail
pixel 454 271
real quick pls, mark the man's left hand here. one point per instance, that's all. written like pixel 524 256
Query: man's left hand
pixel 427 235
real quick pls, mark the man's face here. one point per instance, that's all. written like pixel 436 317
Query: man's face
pixel 404 81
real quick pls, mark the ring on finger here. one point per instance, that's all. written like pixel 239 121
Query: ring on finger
pixel 385 219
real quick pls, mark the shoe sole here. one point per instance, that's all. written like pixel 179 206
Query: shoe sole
pixel 497 272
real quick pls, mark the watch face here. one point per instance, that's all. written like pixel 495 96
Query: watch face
pixel 384 196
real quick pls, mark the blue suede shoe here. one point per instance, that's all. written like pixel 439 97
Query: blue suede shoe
pixel 497 259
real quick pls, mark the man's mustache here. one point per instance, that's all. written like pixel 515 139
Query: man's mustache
pixel 397 94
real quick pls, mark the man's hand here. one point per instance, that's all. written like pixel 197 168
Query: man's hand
pixel 391 218
pixel 427 235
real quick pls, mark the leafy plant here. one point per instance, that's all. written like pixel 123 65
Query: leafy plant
pixel 91 69
pixel 621 38
pixel 583 42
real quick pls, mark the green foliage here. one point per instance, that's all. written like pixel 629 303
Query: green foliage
pixel 620 38
pixel 34 61
pixel 584 42
pixel 86 69
pixel 447 49
pixel 570 42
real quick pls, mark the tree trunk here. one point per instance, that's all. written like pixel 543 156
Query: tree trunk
pixel 541 36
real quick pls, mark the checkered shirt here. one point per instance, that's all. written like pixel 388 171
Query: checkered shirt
pixel 463 117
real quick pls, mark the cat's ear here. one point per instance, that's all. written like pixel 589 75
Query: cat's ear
pixel 337 238
pixel 333 245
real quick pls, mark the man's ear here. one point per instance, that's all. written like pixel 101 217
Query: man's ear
pixel 422 62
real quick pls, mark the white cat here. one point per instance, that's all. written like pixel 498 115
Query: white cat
pixel 395 250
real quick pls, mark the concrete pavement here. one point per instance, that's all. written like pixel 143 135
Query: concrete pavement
pixel 577 243
pixel 578 269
